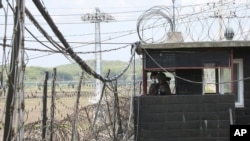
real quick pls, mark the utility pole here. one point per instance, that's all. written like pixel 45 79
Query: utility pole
pixel 97 18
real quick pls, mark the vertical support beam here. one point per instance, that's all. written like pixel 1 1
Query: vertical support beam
pixel 222 80
pixel 44 120
pixel 232 71
pixel 144 76
pixel 217 80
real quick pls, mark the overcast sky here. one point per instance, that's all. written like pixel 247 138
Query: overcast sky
pixel 117 35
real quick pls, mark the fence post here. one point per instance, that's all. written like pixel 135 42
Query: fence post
pixel 75 124
pixel 117 116
pixel 15 98
pixel 44 120
pixel 52 104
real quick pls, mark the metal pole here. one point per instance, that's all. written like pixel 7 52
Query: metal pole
pixel 97 18
pixel 98 54
pixel 44 125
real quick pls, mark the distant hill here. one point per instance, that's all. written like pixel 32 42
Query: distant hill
pixel 70 72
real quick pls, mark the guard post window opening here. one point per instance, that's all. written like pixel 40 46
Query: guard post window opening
pixel 227 83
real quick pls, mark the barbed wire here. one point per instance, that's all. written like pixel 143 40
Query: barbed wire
pixel 196 23
pixel 62 127
pixel 63 120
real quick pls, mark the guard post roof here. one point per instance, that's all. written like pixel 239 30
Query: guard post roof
pixel 193 45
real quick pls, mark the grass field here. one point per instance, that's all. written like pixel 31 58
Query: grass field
pixel 65 102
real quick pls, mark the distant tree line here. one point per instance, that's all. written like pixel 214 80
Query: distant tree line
pixel 71 72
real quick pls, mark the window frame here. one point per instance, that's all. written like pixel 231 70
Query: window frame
pixel 240 102
pixel 239 80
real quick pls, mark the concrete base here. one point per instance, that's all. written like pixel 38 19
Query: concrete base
pixel 175 37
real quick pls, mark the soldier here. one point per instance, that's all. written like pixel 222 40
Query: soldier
pixel 164 88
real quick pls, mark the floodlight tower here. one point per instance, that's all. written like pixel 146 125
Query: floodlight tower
pixel 97 18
